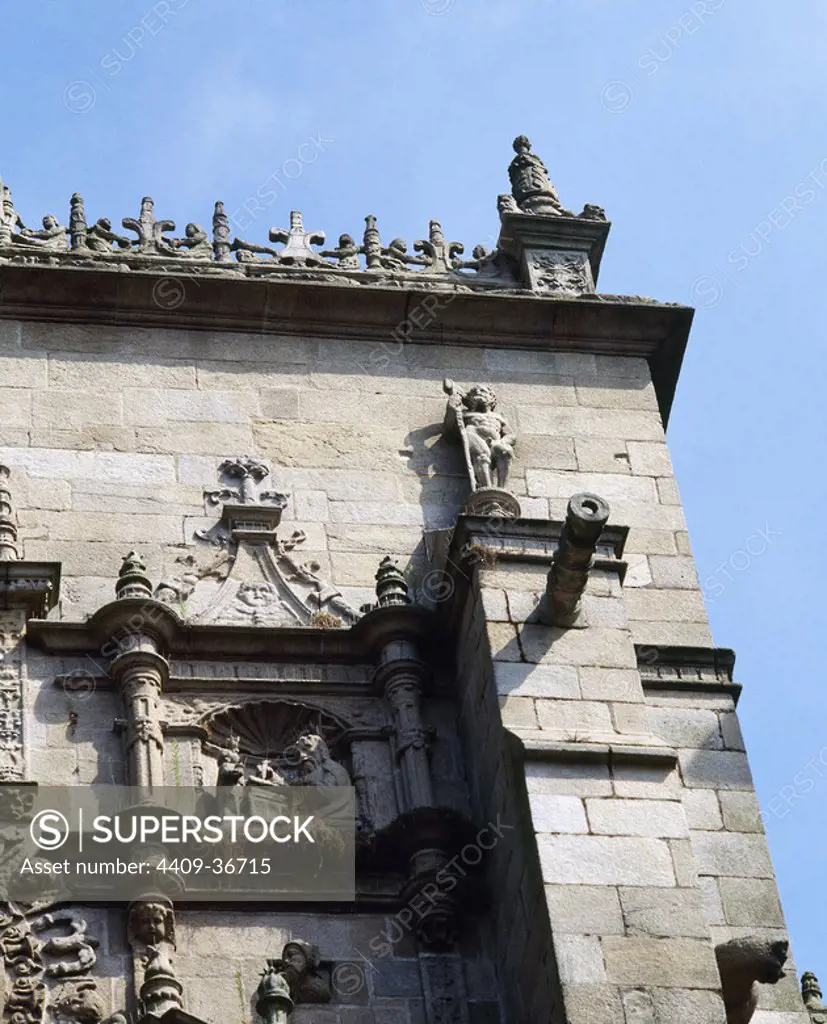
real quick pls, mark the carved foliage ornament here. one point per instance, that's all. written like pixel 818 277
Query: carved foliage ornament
pixel 42 948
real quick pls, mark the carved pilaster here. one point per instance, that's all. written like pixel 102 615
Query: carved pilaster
pixel 8 520
pixel 402 675
pixel 26 589
pixel 446 998
pixel 12 760
pixel 140 671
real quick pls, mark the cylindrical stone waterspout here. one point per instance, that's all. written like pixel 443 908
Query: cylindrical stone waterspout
pixel 586 516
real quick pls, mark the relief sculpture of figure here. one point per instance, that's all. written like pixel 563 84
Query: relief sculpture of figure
pixel 488 445
pixel 195 244
pixel 101 238
pixel 53 236
pixel 316 766
pixel 230 765
pixel 490 439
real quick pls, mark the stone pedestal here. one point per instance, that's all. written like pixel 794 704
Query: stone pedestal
pixel 559 255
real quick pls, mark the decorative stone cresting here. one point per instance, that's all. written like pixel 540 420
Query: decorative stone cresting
pixel 744 964
pixel 487 443
pixel 294 251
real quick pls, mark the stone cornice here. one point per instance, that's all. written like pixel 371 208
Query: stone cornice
pixel 34 586
pixel 299 305
pixel 535 745
pixel 177 638
pixel 688 668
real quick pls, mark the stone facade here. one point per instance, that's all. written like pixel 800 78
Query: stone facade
pixel 578 778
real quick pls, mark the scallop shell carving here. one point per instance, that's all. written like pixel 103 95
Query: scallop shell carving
pixel 268 728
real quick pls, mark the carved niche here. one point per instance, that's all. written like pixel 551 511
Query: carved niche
pixel 275 743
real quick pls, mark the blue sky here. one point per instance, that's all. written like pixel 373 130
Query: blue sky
pixel 697 125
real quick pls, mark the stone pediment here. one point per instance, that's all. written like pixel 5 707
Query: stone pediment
pixel 265 585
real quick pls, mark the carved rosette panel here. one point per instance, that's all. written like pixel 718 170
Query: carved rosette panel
pixel 12 760
pixel 560 271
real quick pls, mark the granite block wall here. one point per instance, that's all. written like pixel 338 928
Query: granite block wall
pixel 633 842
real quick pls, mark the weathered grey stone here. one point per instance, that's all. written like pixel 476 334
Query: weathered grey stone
pixel 684 862
pixel 732 854
pixel 555 681
pixel 564 778
pixel 602 456
pixel 645 782
pixel 750 903
pixel 741 812
pixel 611 648
pixel 572 719
pixel 677 1005
pixel 611 486
pixel 649 459
pixel 657 818
pixel 557 814
pixel 687 727
pixel 602 860
pixel 702 809
pixel 677 573
pixel 592 1004
pixel 721 769
pixel 584 909
pixel 670 963
pixel 661 913
pixel 579 959
pixel 616 393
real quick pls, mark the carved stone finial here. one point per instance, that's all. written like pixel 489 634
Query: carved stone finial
pixel 441 256
pixel 812 995
pixel 132 579
pixel 530 183
pixel 161 990
pixel 372 244
pixel 744 964
pixel 8 520
pixel 297 242
pixel 8 215
pixel 274 1004
pixel 150 232
pixel 77 223
pixel 391 587
pixel 221 234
